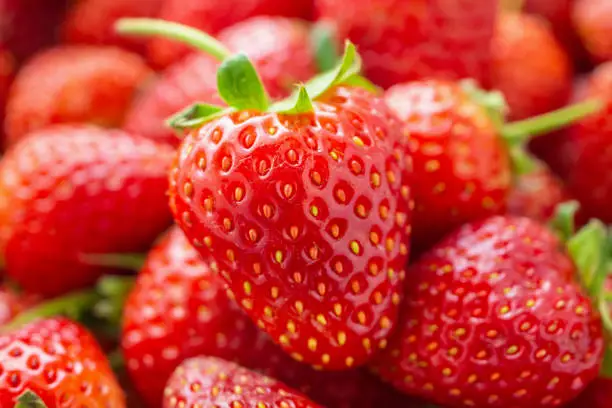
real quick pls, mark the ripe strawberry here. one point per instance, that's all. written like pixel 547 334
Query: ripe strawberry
pixel 212 16
pixel 596 395
pixel 72 84
pixel 536 194
pixel 407 40
pixel 7 73
pixel 211 381
pixel 278 46
pixel 179 309
pixel 529 67
pixel 92 21
pixel 593 22
pixel 494 318
pixel 60 362
pixel 74 190
pixel 12 303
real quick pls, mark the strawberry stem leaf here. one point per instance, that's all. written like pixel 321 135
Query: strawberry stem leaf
pixel 195 115
pixel 300 102
pixel 563 220
pixel 364 83
pixel 146 27
pixel 588 248
pixel 240 86
pixel 119 261
pixel 522 161
pixel 324 45
pixel 492 101
pixel 114 291
pixel 29 399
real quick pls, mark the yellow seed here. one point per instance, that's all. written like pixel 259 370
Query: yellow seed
pixel 314 211
pixel 355 247
pixel 321 319
pixel 312 344
pixel 358 141
pixel 299 306
pixel 278 256
pixel 375 179
pixel 321 289
pixel 283 339
pixel 337 309
pixel 291 326
pixel 341 338
pixel 361 317
pixel 239 193
pixel 247 288
pixel 268 311
pixel 252 235
pixel 325 358
pixel 349 361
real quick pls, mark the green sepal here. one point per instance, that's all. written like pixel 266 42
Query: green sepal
pixel 118 261
pixel 587 248
pixel 29 399
pixel 360 81
pixel 325 50
pixel 563 221
pixel 493 102
pixel 195 116
pixel 113 291
pixel 116 360
pixel 240 86
pixel 522 161
pixel 606 366
pixel 299 102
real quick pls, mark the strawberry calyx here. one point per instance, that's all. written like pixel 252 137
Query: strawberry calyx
pixel 29 399
pixel 326 53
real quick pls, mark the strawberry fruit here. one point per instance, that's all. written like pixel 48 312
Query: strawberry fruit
pixel 593 22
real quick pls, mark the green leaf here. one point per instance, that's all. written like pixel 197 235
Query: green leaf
pixel 606 367
pixel 360 81
pixel 587 248
pixel 299 102
pixel 120 261
pixel 195 115
pixel 493 102
pixel 349 65
pixel 563 219
pixel 323 42
pixel 239 84
pixel 29 400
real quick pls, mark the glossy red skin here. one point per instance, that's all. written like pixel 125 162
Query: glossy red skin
pixel 59 361
pixel 597 395
pixel 179 309
pixel 278 46
pixel 92 22
pixel 408 40
pixel 71 190
pixel 73 84
pixel 461 165
pixel 13 303
pixel 494 318
pixel 213 382
pixel 593 22
pixel 536 195
pixel 530 67
pixel 589 178
pixel 302 239
pixel 7 74
pixel 211 16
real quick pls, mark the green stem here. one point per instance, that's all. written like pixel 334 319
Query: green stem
pixel 520 132
pixel 184 34
pixel 116 361
pixel 123 261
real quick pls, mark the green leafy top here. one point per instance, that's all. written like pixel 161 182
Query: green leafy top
pixel 29 400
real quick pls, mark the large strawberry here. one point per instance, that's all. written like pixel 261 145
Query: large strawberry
pixel 212 16
pixel 597 395
pixel 407 40
pixel 529 67
pixel 179 309
pixel 60 362
pixel 593 22
pixel 69 191
pixel 278 46
pixel 211 381
pixel 72 84
pixel 92 21
pixel 303 205
pixel 494 317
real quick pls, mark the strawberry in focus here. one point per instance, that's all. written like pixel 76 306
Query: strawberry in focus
pixel 593 22
pixel 495 318
pixel 60 362
pixel 70 191
pixel 596 395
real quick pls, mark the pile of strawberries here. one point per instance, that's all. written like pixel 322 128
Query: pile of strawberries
pixel 306 203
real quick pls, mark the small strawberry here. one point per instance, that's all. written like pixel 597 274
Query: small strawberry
pixel 597 395
pixel 593 22
pixel 212 16
pixel 211 381
pixel 12 303
pixel 92 21
pixel 71 84
pixel 495 318
pixel 407 40
pixel 68 191
pixel 278 46
pixel 60 362
pixel 529 67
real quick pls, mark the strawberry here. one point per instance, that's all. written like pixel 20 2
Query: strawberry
pixel 536 194
pixel 596 395
pixel 495 318
pixel 529 67
pixel 179 309
pixel 407 40
pixel 211 381
pixel 60 362
pixel 7 73
pixel 71 84
pixel 69 191
pixel 92 21
pixel 278 46
pixel 593 22
pixel 12 303
pixel 212 16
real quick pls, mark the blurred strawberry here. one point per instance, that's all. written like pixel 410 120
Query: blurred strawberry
pixel 529 67
pixel 406 40
pixel 12 303
pixel 72 84
pixel 92 21
pixel 278 46
pixel 593 22
pixel 212 16
pixel 7 73
pixel 68 191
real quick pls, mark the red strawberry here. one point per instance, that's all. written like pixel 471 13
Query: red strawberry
pixel 212 16
pixel 60 362
pixel 494 318
pixel 12 303
pixel 407 40
pixel 593 22
pixel 529 67
pixel 92 21
pixel 596 395
pixel 72 84
pixel 278 46
pixel 536 194
pixel 69 191
pixel 7 73
pixel 179 309
pixel 211 381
